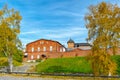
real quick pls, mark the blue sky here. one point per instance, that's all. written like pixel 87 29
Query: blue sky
pixel 53 19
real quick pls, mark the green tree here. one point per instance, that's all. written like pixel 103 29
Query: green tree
pixel 9 31
pixel 103 24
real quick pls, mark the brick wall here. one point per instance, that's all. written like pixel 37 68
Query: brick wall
pixel 110 51
pixel 35 49
pixel 58 51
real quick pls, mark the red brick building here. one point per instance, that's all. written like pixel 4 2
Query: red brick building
pixel 36 49
pixel 53 49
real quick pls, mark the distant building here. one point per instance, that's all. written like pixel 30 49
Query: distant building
pixel 72 45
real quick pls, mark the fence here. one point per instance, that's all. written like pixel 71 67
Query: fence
pixel 61 74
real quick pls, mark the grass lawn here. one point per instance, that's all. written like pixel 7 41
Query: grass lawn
pixel 66 65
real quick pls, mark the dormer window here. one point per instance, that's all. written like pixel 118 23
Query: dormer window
pixel 41 42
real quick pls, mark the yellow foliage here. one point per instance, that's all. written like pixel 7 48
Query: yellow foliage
pixel 103 24
pixel 1 13
pixel 9 31
pixel 3 61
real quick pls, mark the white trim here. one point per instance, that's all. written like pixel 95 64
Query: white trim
pixel 51 48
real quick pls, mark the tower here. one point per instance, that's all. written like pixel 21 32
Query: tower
pixel 70 43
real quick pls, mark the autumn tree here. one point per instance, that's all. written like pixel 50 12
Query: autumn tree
pixel 103 24
pixel 9 31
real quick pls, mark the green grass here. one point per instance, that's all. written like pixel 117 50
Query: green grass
pixel 116 59
pixel 66 65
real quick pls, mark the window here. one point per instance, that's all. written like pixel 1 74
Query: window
pixel 38 48
pixel 77 45
pixel 25 55
pixel 32 56
pixel 44 48
pixel 38 56
pixel 51 48
pixel 63 49
pixel 32 49
pixel 41 42
pixel 60 49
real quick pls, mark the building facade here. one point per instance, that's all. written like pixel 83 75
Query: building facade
pixel 83 46
pixel 36 49
pixel 53 49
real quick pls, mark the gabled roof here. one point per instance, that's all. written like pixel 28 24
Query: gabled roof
pixel 76 49
pixel 82 44
pixel 46 40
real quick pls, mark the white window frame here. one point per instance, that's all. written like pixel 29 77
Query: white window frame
pixel 32 49
pixel 38 56
pixel 32 57
pixel 38 49
pixel 44 48
pixel 61 50
pixel 51 48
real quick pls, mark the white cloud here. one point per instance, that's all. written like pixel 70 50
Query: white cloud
pixel 57 33
pixel 68 32
pixel 29 32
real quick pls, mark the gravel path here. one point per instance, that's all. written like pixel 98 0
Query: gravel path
pixel 24 67
pixel 20 77
pixel 23 78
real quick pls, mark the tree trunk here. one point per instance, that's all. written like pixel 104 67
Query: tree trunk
pixel 109 74
pixel 10 63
